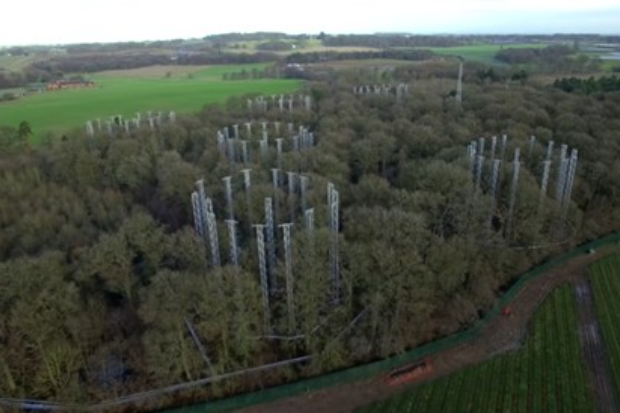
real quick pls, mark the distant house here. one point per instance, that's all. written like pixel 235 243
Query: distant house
pixel 69 84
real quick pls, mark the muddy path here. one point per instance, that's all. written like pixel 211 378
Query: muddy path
pixel 594 350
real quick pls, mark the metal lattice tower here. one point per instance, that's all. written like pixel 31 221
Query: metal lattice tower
pixel 232 235
pixel 275 180
pixel 292 187
pixel 291 193
pixel 244 151
pixel 247 183
pixel 334 225
pixel 197 212
pixel 549 151
pixel 471 150
pixel 262 266
pixel 279 151
pixel 544 184
pixel 495 165
pixel 495 177
pixel 481 143
pixel 513 189
pixel 504 147
pixel 232 155
pixel 221 143
pixel 236 130
pixel 572 168
pixel 479 168
pixel 562 171
pixel 202 193
pixel 89 129
pixel 204 207
pixel 271 243
pixel 213 239
pixel 288 268
pixel 309 220
pixel 248 128
pixel 493 148
pixel 229 197
pixel 264 149
pixel 303 188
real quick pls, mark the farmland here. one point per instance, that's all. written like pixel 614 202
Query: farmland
pixel 547 374
pixel 304 46
pixel 13 63
pixel 605 279
pixel 164 88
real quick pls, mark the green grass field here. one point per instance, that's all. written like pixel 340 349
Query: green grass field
pixel 181 89
pixel 546 375
pixel 483 53
pixel 605 279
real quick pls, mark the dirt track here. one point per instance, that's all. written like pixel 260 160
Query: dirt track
pixel 501 335
pixel 594 351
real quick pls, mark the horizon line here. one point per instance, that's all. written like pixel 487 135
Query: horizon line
pixel 400 33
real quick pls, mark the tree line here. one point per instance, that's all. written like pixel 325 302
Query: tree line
pixel 589 85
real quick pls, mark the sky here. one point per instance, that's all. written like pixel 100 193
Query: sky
pixel 25 22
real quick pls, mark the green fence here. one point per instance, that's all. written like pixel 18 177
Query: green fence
pixel 373 369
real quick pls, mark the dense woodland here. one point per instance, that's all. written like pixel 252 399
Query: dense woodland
pixel 317 57
pixel 101 268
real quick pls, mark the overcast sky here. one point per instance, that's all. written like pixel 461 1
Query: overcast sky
pixel 76 21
